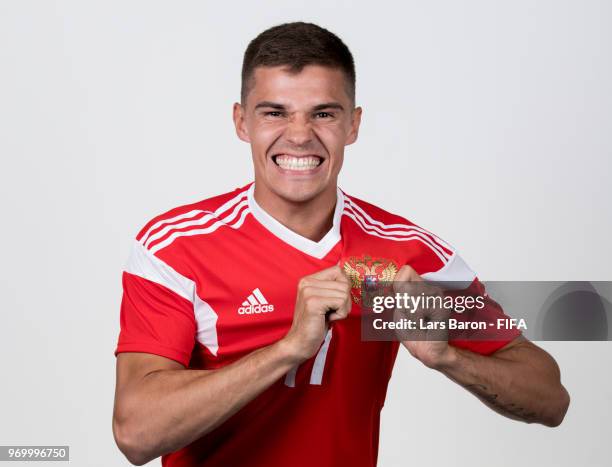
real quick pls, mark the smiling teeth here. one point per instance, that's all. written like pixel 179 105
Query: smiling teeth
pixel 297 163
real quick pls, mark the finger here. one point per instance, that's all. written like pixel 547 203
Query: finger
pixel 314 293
pixel 323 303
pixel 341 313
pixel 333 273
pixel 407 273
pixel 405 278
pixel 331 285
pixel 336 307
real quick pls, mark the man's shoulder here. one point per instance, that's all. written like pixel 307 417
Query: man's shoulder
pixel 372 212
pixel 376 219
pixel 188 215
pixel 436 258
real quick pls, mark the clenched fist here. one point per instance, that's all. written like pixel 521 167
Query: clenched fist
pixel 322 297
pixel 429 346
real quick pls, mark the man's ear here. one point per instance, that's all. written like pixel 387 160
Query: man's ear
pixel 239 123
pixel 356 121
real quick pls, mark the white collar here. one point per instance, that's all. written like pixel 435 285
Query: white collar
pixel 317 249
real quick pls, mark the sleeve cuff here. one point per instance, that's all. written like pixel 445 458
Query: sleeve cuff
pixel 153 348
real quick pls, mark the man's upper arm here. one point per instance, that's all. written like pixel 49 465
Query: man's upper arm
pixel 132 367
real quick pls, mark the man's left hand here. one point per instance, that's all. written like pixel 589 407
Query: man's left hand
pixel 430 346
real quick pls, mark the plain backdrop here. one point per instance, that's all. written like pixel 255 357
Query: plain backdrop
pixel 487 122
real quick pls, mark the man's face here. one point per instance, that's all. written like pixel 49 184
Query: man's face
pixel 298 125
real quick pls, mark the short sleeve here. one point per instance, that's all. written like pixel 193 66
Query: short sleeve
pixel 493 337
pixel 457 278
pixel 157 314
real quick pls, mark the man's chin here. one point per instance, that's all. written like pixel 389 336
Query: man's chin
pixel 296 192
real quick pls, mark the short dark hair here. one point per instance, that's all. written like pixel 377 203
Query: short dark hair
pixel 296 45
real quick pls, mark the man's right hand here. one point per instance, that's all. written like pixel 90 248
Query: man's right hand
pixel 321 298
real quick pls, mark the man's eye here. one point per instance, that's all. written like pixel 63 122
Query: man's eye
pixel 323 115
pixel 273 113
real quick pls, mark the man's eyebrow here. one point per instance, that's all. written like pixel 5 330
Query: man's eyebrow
pixel 277 106
pixel 328 105
pixel 269 104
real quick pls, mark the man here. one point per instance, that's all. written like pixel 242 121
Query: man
pixel 240 331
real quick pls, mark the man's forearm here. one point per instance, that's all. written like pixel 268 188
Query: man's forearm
pixel 168 409
pixel 522 382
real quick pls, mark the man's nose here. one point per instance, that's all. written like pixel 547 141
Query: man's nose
pixel 298 131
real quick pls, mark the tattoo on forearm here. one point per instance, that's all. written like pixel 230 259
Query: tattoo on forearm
pixel 492 399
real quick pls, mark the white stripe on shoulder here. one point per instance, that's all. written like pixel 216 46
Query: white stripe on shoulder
pixel 146 240
pixel 158 224
pixel 399 239
pixel 144 264
pixel 198 222
pixel 455 274
pixel 234 220
pixel 398 235
pixel 374 222
pixel 358 208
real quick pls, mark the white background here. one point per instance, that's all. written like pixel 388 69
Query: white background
pixel 486 122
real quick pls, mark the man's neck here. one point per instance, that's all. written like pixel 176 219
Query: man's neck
pixel 311 219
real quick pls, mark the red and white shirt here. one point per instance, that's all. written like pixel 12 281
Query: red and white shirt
pixel 208 283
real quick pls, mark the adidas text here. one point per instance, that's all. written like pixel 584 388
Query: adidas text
pixel 250 309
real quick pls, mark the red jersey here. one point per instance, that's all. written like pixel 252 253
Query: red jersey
pixel 210 282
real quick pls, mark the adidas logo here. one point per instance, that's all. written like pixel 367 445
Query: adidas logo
pixel 255 303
